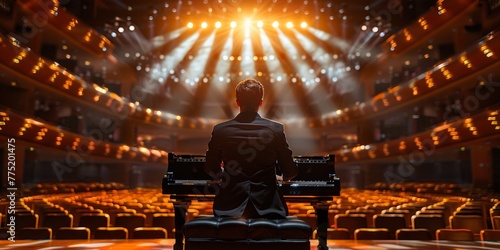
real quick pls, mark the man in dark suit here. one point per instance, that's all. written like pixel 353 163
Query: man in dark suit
pixel 243 153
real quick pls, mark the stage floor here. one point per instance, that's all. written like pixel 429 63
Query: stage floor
pixel 168 244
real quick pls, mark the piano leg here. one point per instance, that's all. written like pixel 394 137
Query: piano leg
pixel 322 222
pixel 180 210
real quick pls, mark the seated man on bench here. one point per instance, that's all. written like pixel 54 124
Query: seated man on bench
pixel 242 155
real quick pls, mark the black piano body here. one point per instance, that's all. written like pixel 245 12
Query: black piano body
pixel 316 183
pixel 316 180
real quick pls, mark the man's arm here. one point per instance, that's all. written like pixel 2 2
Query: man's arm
pixel 213 158
pixel 285 159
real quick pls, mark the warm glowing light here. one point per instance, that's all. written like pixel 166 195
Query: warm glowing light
pixel 204 25
pixel 248 23
pixel 275 24
pixel 407 35
pixel 289 25
pixel 190 25
pixel 233 24
pixel 303 25
pixel 218 25
pixel 486 51
pixel 100 89
pixel 260 24
pixel 423 23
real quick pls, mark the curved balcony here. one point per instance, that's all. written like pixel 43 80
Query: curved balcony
pixel 48 74
pixel 47 12
pixel 484 56
pixel 483 125
pixel 444 12
pixel 13 125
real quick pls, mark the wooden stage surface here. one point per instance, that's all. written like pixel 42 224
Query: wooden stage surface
pixel 168 244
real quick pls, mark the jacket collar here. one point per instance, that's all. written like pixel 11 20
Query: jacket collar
pixel 247 116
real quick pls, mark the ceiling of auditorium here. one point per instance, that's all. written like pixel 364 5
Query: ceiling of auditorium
pixel 192 71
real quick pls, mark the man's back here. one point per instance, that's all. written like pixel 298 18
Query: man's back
pixel 249 147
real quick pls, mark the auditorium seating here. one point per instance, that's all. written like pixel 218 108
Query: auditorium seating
pixel 455 234
pixel 57 220
pixel 94 208
pixel 413 234
pixel 130 222
pixel 391 222
pixel 72 233
pixel 490 235
pixel 431 222
pixel 166 221
pixel 111 233
pixel 94 221
pixel 30 233
pixel 496 222
pixel 474 223
pixel 149 233
pixel 351 222
pixel 338 234
pixel 372 234
pixel 26 220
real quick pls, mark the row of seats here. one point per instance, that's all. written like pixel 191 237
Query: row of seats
pixel 84 233
pixel 413 234
pixel 131 209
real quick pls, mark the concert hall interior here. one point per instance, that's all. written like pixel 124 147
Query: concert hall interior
pixel 390 107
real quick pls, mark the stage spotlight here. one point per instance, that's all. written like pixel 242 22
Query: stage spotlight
pixel 218 25
pixel 260 24
pixel 121 29
pixel 248 23
pixel 303 25
pixel 131 27
pixel 204 25
pixel 233 24
pixel 190 25
pixel 289 25
pixel 275 24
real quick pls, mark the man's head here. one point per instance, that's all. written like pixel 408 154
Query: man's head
pixel 249 93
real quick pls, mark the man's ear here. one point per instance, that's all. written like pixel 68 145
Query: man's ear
pixel 237 102
pixel 260 103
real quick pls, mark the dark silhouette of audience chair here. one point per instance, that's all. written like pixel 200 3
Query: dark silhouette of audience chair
pixel 372 234
pixel 72 233
pixel 392 222
pixel 351 222
pixel 413 234
pixel 369 213
pixel 431 222
pixel 30 233
pixel 495 222
pixel 111 233
pixel 338 234
pixel 57 220
pixel 454 234
pixel 150 233
pixel 94 221
pixel 474 223
pixel 130 222
pixel 167 221
pixel 24 220
pixel 490 235
pixel 405 212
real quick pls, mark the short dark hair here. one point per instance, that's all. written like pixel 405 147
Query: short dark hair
pixel 249 93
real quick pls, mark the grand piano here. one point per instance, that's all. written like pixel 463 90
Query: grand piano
pixel 316 183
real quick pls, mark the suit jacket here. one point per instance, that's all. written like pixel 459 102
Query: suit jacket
pixel 248 147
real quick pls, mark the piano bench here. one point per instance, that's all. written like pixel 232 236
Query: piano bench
pixel 238 233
